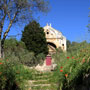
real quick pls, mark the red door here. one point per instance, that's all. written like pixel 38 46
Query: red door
pixel 48 60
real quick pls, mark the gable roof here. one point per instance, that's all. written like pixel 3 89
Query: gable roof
pixel 56 32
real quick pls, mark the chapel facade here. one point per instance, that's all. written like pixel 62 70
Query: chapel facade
pixel 54 38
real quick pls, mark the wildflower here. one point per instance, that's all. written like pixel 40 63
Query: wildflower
pixel 0 63
pixel 83 60
pixel 61 70
pixel 72 57
pixel 0 73
pixel 61 67
pixel 67 57
pixel 7 59
pixel 66 75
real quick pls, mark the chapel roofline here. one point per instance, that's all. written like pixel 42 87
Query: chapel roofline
pixel 50 26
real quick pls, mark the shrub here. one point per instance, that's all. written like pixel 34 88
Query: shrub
pixel 40 58
pixel 16 51
pixel 7 76
pixel 13 75
pixel 13 46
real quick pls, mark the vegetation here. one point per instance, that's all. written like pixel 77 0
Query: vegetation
pixel 72 72
pixel 73 67
pixel 12 71
pixel 13 75
pixel 34 38
pixel 17 11
pixel 16 51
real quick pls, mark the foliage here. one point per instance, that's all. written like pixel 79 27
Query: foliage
pixel 68 45
pixel 12 45
pixel 75 46
pixel 59 50
pixel 12 75
pixel 34 38
pixel 40 58
pixel 16 51
pixel 72 67
pixel 20 11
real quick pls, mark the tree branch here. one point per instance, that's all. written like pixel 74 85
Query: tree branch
pixel 3 19
pixel 1 25
pixel 10 24
pixel 9 16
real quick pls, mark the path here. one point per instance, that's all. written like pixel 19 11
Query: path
pixel 42 81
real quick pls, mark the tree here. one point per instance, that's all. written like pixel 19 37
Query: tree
pixel 34 38
pixel 68 43
pixel 15 11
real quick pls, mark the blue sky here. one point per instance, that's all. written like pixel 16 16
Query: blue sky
pixel 68 16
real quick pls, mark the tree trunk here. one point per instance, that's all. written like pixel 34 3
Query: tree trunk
pixel 2 49
pixel 1 43
pixel 0 40
pixel 5 34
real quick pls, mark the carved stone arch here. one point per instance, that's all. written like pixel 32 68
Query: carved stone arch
pixel 52 44
pixel 52 47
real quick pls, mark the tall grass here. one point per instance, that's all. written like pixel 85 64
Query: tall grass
pixel 72 68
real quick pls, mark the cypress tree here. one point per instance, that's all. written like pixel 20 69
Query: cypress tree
pixel 34 38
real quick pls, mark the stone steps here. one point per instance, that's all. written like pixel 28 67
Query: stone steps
pixel 38 81
pixel 44 87
pixel 41 81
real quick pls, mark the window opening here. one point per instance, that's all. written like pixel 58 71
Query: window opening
pixel 47 32
pixel 62 44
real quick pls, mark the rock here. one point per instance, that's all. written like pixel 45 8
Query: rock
pixel 46 68
pixel 54 66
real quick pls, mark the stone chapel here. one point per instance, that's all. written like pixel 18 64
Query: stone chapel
pixel 55 39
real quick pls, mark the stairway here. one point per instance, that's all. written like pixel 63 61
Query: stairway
pixel 42 81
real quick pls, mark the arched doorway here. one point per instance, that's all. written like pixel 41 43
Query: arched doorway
pixel 52 47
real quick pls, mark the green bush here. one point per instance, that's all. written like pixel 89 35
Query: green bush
pixel 13 75
pixel 40 58
pixel 7 76
pixel 16 51
pixel 13 46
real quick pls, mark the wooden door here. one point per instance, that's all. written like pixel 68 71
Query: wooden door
pixel 48 60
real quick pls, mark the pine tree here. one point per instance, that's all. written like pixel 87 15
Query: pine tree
pixel 34 38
